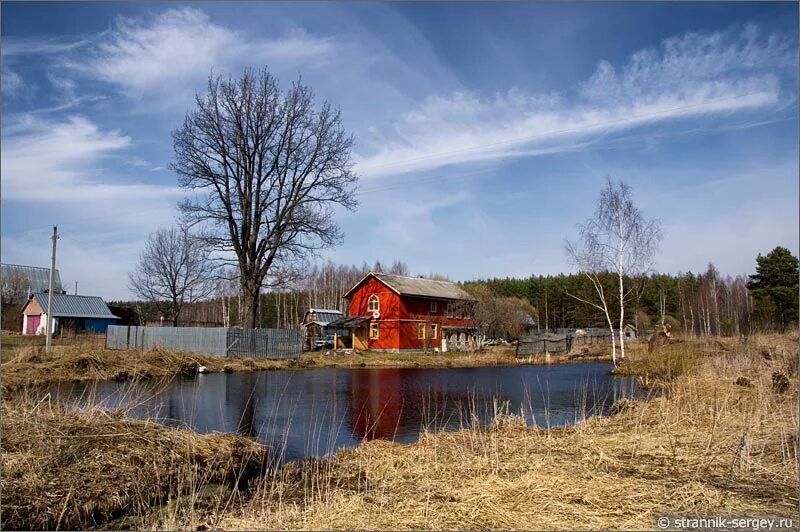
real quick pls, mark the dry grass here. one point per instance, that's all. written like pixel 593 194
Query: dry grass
pixel 14 343
pixel 69 468
pixel 85 359
pixel 492 356
pixel 709 446
pixel 81 362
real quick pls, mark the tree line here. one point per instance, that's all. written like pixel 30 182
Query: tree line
pixel 696 304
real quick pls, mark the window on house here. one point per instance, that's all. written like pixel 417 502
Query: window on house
pixel 434 330
pixel 373 305
pixel 420 331
pixel 433 306
pixel 373 331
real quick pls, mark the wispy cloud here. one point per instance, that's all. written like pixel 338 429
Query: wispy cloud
pixel 12 82
pixel 173 50
pixel 27 47
pixel 46 161
pixel 692 75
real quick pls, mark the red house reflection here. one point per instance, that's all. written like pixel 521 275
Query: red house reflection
pixel 376 403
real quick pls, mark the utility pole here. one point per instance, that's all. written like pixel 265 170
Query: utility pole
pixel 49 321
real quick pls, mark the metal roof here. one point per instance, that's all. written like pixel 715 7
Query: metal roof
pixel 67 306
pixel 525 318
pixel 418 286
pixel 349 321
pixel 324 316
pixel 38 278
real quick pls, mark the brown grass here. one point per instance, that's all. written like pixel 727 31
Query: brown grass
pixel 86 359
pixel 707 446
pixel 68 468
pixel 80 362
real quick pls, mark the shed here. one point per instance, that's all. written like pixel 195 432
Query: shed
pixel 316 323
pixel 79 313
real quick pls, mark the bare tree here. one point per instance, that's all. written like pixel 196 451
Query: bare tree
pixel 173 269
pixel 498 316
pixel 264 171
pixel 399 267
pixel 617 239
pixel 14 288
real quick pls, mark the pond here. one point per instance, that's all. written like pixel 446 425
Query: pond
pixel 300 413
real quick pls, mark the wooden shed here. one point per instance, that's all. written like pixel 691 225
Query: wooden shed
pixel 316 323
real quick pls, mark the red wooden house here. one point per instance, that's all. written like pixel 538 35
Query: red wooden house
pixel 397 313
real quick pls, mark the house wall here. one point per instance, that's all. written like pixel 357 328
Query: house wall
pixel 42 323
pixel 399 318
pixel 390 311
pixel 97 325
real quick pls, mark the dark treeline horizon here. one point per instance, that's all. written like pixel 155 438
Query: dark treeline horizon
pixel 706 303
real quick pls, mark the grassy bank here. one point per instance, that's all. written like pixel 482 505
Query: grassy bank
pixel 720 441
pixel 24 362
pixel 709 446
pixel 76 469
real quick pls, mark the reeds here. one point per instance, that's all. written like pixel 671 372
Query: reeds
pixel 704 446
pixel 72 468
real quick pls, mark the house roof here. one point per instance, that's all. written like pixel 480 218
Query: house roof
pixel 38 278
pixel 347 322
pixel 324 316
pixel 418 286
pixel 525 318
pixel 71 306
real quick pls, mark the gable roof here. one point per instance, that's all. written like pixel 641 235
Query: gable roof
pixel 418 287
pixel 324 316
pixel 71 306
pixel 38 278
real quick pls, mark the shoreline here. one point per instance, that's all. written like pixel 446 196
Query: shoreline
pixel 29 367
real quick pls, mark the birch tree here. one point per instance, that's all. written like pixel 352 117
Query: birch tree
pixel 617 239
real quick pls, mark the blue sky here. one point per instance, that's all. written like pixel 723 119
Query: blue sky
pixel 483 131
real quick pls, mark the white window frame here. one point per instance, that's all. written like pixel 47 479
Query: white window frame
pixel 434 331
pixel 374 326
pixel 374 299
pixel 433 306
pixel 421 331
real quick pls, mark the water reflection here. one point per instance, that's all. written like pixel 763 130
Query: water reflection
pixel 314 412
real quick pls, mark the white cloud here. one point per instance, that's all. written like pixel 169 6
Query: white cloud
pixel 26 47
pixel 99 267
pixel 61 161
pixel 12 82
pixel 174 50
pixel 692 75
pixel 57 170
